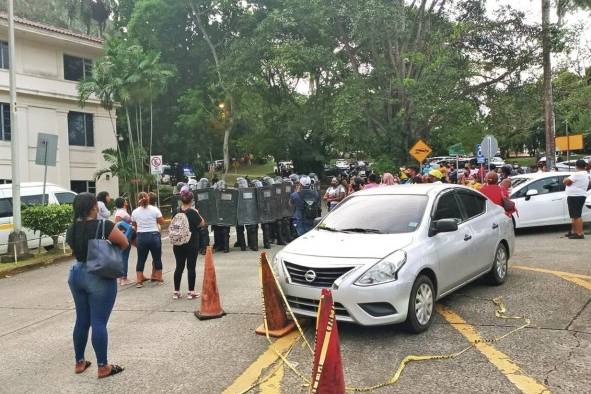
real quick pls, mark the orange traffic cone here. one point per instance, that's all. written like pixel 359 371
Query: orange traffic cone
pixel 327 370
pixel 211 306
pixel 275 323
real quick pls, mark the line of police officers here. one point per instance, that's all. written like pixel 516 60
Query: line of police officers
pixel 245 206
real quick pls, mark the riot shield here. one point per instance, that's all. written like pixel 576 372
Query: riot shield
pixel 277 200
pixel 286 210
pixel 265 202
pixel 247 206
pixel 205 203
pixel 227 206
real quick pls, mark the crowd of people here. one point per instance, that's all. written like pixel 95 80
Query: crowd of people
pixel 94 296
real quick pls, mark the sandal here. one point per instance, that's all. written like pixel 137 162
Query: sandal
pixel 114 370
pixel 82 366
pixel 192 295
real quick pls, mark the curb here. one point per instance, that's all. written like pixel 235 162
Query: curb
pixel 29 267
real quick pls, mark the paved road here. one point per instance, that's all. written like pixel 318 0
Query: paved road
pixel 165 349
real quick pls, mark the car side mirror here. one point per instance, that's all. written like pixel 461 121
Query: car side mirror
pixel 317 221
pixel 530 193
pixel 443 226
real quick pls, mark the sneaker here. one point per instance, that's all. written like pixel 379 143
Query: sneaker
pixel 124 282
pixel 192 295
pixel 176 295
pixel 576 236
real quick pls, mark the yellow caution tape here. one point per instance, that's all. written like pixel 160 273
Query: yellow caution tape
pixel 500 312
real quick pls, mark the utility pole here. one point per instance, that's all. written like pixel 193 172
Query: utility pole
pixel 548 101
pixel 17 240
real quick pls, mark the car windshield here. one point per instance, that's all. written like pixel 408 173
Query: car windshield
pixel 377 214
pixel 518 181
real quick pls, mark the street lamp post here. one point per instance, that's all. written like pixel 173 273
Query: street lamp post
pixel 17 240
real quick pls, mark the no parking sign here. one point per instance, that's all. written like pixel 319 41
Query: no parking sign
pixel 156 164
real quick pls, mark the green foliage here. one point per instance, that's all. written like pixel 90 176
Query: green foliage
pixel 51 220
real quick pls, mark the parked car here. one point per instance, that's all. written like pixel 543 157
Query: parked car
pixel 540 200
pixel 342 164
pixel 31 193
pixel 390 253
pixel 497 161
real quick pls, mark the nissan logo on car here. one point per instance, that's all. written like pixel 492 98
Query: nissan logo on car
pixel 310 276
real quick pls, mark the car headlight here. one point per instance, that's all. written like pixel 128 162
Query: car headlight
pixel 385 270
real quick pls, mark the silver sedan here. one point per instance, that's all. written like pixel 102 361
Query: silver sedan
pixel 389 253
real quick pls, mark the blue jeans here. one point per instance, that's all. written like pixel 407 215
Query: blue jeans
pixel 152 243
pixel 125 256
pixel 303 227
pixel 94 297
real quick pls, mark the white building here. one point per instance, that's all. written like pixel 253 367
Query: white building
pixel 49 61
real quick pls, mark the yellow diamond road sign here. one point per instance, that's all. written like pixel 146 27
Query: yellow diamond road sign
pixel 420 151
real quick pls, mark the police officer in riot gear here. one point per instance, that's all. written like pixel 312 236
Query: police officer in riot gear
pixel 203 231
pixel 241 183
pixel 221 233
pixel 265 224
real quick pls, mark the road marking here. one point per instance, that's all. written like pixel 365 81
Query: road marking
pixel 273 384
pixel 254 371
pixel 578 279
pixel 499 359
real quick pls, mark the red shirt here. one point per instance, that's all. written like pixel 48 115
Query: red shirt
pixel 494 192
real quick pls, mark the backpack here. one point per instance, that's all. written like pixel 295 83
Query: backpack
pixel 311 208
pixel 179 231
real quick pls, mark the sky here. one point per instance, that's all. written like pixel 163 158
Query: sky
pixel 533 12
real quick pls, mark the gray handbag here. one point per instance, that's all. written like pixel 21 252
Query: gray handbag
pixel 103 258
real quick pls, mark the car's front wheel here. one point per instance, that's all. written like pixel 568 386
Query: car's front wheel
pixel 421 305
pixel 498 272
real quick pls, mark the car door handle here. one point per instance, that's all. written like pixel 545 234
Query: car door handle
pixel 495 226
pixel 467 237
pixel 557 199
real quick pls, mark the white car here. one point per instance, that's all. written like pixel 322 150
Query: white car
pixel 31 193
pixel 390 253
pixel 497 161
pixel 540 199
pixel 342 164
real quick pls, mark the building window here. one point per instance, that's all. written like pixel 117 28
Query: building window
pixel 80 129
pixel 4 122
pixel 76 68
pixel 4 55
pixel 83 186
pixel 5 181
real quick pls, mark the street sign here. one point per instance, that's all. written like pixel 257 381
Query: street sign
pixel 489 146
pixel 572 142
pixel 46 154
pixel 480 159
pixel 156 165
pixel 456 150
pixel 420 151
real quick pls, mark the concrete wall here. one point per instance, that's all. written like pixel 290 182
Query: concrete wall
pixel 44 100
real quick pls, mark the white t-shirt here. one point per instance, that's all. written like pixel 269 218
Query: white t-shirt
pixel 580 184
pixel 146 218
pixel 103 211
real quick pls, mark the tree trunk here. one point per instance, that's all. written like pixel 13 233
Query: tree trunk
pixel 548 101
pixel 132 146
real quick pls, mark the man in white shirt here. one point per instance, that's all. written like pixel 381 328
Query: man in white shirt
pixel 576 194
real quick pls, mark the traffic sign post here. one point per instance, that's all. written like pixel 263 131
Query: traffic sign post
pixel 46 155
pixel 420 151
pixel 489 147
pixel 156 169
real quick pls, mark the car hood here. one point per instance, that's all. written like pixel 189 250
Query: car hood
pixel 324 243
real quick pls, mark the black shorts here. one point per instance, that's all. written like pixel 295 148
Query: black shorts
pixel 575 206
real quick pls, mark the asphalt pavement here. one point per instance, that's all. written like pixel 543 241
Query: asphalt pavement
pixel 164 348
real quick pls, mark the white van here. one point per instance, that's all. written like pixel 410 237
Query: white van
pixel 31 193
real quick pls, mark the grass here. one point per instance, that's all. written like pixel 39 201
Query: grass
pixel 6 269
pixel 253 171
